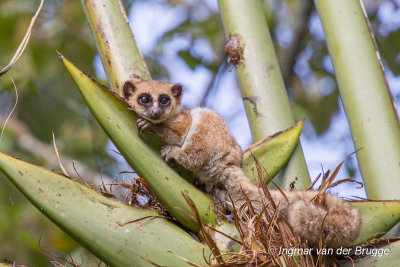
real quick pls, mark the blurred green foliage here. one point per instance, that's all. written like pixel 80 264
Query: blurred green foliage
pixel 49 102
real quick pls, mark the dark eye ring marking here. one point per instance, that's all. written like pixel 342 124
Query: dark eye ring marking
pixel 145 100
pixel 164 100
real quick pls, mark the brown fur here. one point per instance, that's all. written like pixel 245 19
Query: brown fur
pixel 200 141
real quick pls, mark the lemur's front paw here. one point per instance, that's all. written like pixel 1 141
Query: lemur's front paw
pixel 167 153
pixel 142 124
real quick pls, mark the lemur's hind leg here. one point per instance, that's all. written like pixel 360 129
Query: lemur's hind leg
pixel 187 158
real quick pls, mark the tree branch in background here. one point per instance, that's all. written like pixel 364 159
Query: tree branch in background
pixel 26 141
pixel 213 80
pixel 297 45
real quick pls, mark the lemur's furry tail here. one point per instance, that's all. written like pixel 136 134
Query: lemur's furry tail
pixel 331 219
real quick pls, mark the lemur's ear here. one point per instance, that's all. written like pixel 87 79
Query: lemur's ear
pixel 128 89
pixel 176 90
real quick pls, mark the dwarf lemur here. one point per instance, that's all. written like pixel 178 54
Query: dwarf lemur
pixel 200 141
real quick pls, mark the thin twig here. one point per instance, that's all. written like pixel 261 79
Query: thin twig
pixel 12 110
pixel 24 42
pixel 58 157
pixel 297 43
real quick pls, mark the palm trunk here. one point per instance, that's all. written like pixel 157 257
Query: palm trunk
pixel 262 88
pixel 365 95
pixel 115 42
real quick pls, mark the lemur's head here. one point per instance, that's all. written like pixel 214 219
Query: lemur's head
pixel 153 100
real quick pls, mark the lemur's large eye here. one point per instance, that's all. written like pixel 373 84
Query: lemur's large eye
pixel 144 99
pixel 164 100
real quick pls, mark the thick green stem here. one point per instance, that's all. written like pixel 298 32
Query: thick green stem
pixel 262 88
pixel 114 232
pixel 365 95
pixel 115 42
pixel 386 255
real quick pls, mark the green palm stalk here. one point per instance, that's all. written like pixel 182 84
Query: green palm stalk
pixel 261 84
pixel 115 42
pixel 365 95
pixel 114 232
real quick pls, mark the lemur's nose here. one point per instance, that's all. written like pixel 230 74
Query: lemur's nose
pixel 156 113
